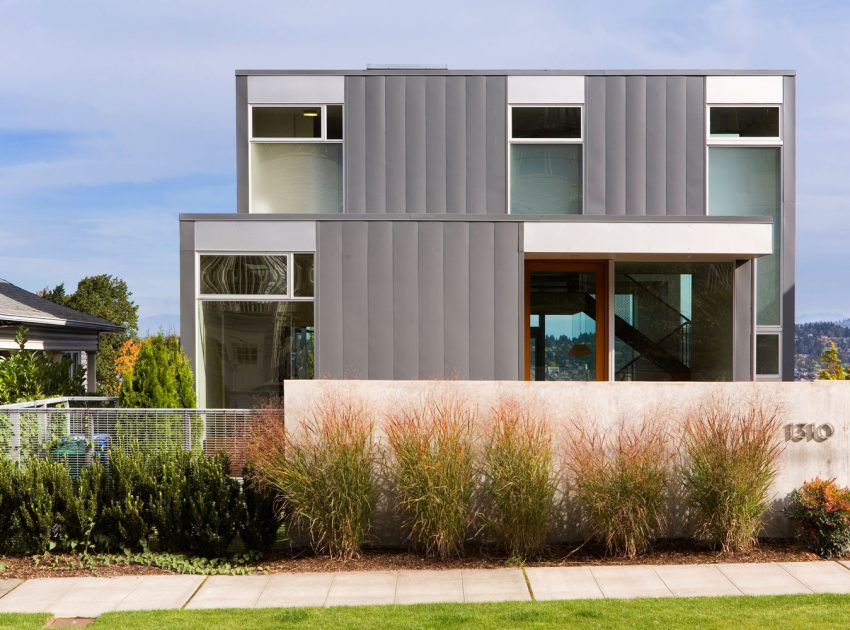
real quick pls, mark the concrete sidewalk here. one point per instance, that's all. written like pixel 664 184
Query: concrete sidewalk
pixel 90 597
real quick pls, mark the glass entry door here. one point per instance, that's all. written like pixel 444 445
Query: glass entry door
pixel 566 333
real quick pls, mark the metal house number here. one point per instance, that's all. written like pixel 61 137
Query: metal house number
pixel 808 432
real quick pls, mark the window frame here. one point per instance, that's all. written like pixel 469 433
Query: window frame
pixel 755 141
pixel 323 140
pixel 512 141
pixel 768 331
pixel 265 297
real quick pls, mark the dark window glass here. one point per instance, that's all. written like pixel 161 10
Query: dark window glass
pixel 546 122
pixel 243 275
pixel 304 275
pixel 745 122
pixel 287 122
pixel 767 354
pixel 334 122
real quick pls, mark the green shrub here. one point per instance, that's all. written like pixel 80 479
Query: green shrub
pixel 41 501
pixel 166 509
pixel 432 473
pixel 127 519
pixel 621 481
pixel 821 509
pixel 214 510
pixel 262 513
pixel 730 452
pixel 325 473
pixel 519 480
pixel 8 502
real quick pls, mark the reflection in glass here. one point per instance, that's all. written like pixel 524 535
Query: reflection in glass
pixel 745 181
pixel 745 122
pixel 546 122
pixel 546 179
pixel 243 275
pixel 304 275
pixel 296 178
pixel 286 122
pixel 563 326
pixel 673 321
pixel 767 354
pixel 248 348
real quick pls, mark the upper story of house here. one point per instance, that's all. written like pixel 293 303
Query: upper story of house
pixel 547 143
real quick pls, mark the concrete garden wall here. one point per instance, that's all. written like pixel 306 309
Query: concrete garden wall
pixel 814 435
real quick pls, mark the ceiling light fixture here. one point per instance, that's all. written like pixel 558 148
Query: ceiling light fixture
pixel 311 114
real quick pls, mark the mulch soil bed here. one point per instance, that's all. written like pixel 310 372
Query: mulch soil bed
pixel 663 552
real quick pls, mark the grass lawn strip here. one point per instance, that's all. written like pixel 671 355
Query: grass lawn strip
pixel 20 621
pixel 787 611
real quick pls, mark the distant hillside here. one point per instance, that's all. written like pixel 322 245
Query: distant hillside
pixel 810 340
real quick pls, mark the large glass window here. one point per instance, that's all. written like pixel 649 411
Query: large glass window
pixel 743 122
pixel 673 321
pixel 296 159
pixel 746 181
pixel 546 173
pixel 245 275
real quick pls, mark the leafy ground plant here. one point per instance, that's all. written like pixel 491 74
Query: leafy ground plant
pixel 730 452
pixel 620 478
pixel 431 469
pixel 519 480
pixel 821 509
pixel 324 472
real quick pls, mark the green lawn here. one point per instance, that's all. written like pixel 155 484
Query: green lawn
pixel 795 611
pixel 22 622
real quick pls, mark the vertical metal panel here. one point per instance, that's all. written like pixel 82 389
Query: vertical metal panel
pixel 242 147
pixel 355 307
pixel 414 126
pixel 594 146
pixel 507 306
pixel 376 144
pixel 395 152
pixel 635 145
pixel 615 145
pixel 497 146
pixel 482 301
pixel 476 145
pixel 329 301
pixel 456 299
pixel 742 334
pixel 354 113
pixel 435 144
pixel 656 145
pixel 380 295
pixel 789 212
pixel 188 306
pixel 677 132
pixel 431 364
pixel 695 150
pixel 405 270
pixel 456 144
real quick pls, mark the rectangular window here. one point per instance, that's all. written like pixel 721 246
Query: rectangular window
pixel 546 170
pixel 304 275
pixel 744 122
pixel 767 355
pixel 296 159
pixel 244 275
pixel 746 181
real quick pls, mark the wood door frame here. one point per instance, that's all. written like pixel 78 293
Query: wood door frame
pixel 600 267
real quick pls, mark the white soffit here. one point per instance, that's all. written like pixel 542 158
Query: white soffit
pixel 255 236
pixel 753 89
pixel 546 89
pixel 735 240
pixel 296 89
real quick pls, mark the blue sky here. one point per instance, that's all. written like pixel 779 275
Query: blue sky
pixel 117 116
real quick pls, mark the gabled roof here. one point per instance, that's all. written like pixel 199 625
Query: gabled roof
pixel 18 306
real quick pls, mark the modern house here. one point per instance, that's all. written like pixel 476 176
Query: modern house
pixel 416 223
pixel 55 329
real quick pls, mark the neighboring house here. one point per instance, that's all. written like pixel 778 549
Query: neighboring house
pixel 408 223
pixel 53 328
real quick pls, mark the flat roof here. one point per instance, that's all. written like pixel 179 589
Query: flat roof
pixel 418 70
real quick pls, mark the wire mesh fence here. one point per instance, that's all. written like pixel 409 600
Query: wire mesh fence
pixel 77 436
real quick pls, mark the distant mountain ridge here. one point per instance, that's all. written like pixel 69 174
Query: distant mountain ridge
pixel 811 339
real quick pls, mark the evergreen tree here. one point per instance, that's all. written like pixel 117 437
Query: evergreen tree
pixel 833 369
pixel 161 376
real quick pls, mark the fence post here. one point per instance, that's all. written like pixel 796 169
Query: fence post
pixel 187 431
pixel 15 420
pixel 43 427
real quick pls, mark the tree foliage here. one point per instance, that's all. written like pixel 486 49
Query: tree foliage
pixel 161 377
pixel 108 297
pixel 34 374
pixel 833 369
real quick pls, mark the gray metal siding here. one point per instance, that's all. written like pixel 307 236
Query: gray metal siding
pixel 242 147
pixel 416 300
pixel 644 145
pixel 417 144
pixel 742 337
pixel 789 212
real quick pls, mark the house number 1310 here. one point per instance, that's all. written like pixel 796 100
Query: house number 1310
pixel 808 432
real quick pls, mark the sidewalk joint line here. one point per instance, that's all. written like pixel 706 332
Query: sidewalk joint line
pixel 20 583
pixel 462 586
pixel 262 590
pixel 598 585
pixel 843 566
pixel 804 585
pixel 719 567
pixel 395 591
pixel 328 592
pixel 195 592
pixel 528 583
pixel 663 581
